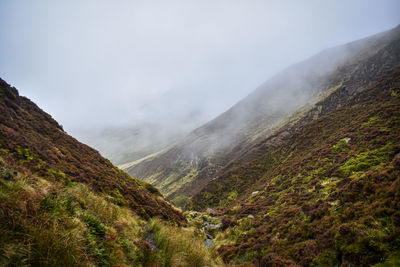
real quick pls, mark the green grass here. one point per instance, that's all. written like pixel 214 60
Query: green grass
pixel 46 223
pixel 25 154
pixel 365 160
pixel 181 246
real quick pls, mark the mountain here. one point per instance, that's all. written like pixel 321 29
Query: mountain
pixel 305 171
pixel 33 140
pixel 183 169
pixel 141 137
pixel 323 192
pixel 126 144
pixel 62 204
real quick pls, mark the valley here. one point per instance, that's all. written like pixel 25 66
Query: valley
pixel 304 171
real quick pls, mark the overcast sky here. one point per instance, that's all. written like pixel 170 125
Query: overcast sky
pixel 109 63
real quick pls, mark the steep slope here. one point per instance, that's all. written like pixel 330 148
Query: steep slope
pixel 46 223
pixel 325 194
pixel 62 204
pixel 31 140
pixel 184 169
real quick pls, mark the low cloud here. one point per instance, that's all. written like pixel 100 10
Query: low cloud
pixel 95 65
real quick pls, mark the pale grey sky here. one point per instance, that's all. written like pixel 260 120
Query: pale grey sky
pixel 109 63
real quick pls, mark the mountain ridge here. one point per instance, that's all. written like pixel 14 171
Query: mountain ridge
pixel 211 144
pixel 63 204
pixel 326 195
pixel 33 140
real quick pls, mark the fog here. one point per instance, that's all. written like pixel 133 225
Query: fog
pixel 120 75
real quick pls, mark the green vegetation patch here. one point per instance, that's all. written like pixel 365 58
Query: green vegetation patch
pixel 329 257
pixel 180 247
pixel 362 244
pixel 47 223
pixel 366 160
pixel 231 197
pixel 342 145
pixel 25 154
pixel 96 227
pixel 371 121
pixel 181 201
pixel 118 198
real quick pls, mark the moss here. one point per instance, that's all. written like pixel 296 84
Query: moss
pixel 341 146
pixel 41 164
pixel 58 176
pixel 235 209
pixel 207 195
pixel 395 92
pixel 231 197
pixel 392 260
pixel 366 160
pixel 308 194
pixel 329 257
pixel 4 151
pixel 25 154
pixel 232 235
pixel 371 121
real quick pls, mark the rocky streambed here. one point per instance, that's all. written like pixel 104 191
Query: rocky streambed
pixel 209 223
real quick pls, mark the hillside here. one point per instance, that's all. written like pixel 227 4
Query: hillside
pixel 305 171
pixel 326 194
pixel 124 144
pixel 62 204
pixel 181 171
pixel 312 182
pixel 32 140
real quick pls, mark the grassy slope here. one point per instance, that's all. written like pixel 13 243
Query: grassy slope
pixel 184 169
pixel 62 204
pixel 328 193
pixel 46 223
pixel 31 140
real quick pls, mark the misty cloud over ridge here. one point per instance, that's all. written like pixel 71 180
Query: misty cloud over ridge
pixel 97 64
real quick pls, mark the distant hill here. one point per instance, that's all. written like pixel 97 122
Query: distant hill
pixel 305 170
pixel 185 168
pixel 167 118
